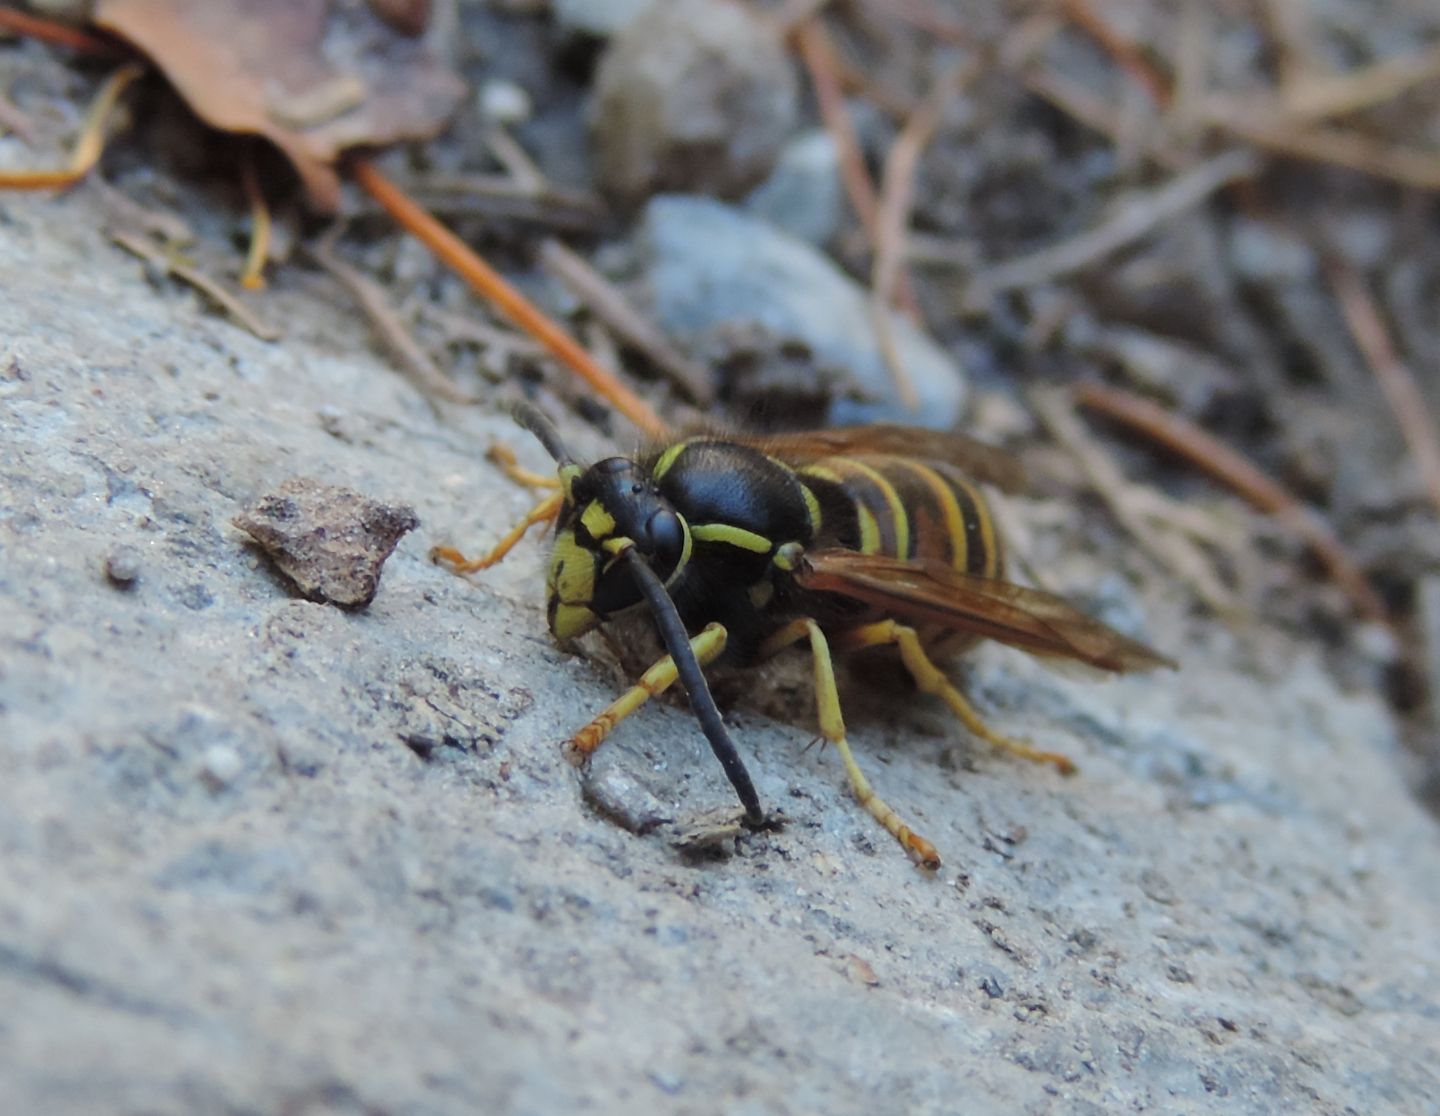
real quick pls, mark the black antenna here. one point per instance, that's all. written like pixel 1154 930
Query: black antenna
pixel 677 642
pixel 538 423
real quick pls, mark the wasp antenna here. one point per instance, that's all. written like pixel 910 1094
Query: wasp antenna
pixel 538 423
pixel 677 643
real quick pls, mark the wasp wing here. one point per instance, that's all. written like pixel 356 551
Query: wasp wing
pixel 933 593
pixel 975 459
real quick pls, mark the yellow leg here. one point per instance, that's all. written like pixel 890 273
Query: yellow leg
pixel 659 678
pixel 504 457
pixel 832 727
pixel 543 512
pixel 932 680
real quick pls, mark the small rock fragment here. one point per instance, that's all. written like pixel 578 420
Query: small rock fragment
pixel 122 567
pixel 710 266
pixel 859 971
pixel 221 765
pixel 331 542
pixel 692 95
pixel 615 795
pixel 504 102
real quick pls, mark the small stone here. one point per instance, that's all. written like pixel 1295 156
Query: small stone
pixel 221 765
pixel 709 266
pixel 615 795
pixel 122 566
pixel 331 542
pixel 504 102
pixel 692 95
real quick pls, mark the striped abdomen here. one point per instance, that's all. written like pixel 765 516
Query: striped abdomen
pixel 904 508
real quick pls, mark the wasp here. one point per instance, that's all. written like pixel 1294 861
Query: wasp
pixel 842 539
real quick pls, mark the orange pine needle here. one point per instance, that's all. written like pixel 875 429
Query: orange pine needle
pixel 1195 445
pixel 492 286
pixel 52 31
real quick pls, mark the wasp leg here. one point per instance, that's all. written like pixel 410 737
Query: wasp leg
pixel 659 678
pixel 832 727
pixel 543 512
pixel 932 680
pixel 504 457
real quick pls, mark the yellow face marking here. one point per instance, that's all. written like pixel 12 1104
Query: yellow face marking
pixel 595 519
pixel 667 459
pixel 572 570
pixel 569 474
pixel 732 536
pixel 573 621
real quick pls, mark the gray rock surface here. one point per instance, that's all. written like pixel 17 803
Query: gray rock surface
pixel 710 266
pixel 260 855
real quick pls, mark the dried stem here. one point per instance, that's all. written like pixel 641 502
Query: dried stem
pixel 1396 380
pixel 493 287
pixel 1226 465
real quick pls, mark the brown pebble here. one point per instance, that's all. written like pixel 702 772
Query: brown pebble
pixel 331 542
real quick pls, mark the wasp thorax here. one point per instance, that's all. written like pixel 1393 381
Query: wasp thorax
pixel 612 507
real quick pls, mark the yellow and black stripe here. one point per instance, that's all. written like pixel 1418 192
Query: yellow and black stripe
pixel 904 508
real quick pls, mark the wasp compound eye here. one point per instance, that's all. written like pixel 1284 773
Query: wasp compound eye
pixel 664 536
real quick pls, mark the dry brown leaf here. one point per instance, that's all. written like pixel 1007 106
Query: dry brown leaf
pixel 312 76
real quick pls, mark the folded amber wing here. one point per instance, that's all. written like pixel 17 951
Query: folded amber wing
pixel 931 593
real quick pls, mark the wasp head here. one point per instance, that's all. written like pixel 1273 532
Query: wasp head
pixel 610 508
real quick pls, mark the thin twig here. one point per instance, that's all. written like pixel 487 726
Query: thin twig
pixel 817 52
pixel 213 290
pixel 398 340
pixel 1173 551
pixel 492 286
pixel 793 13
pixel 608 304
pixel 1340 147
pixel 252 276
pixel 88 145
pixel 1138 215
pixel 1186 439
pixel 924 18
pixel 525 172
pixel 1396 380
pixel 14 121
pixel 1309 100
pixel 893 220
pixel 1125 53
